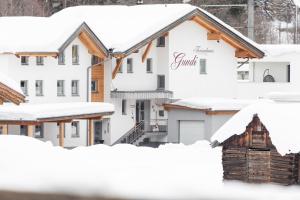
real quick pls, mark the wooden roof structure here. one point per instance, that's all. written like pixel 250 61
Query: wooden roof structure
pixel 217 31
pixel 7 94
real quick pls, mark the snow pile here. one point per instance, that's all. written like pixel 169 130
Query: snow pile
pixel 214 104
pixel 173 171
pixel 280 118
pixel 274 50
pixel 32 112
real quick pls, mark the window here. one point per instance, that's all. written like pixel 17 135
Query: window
pixel 39 60
pixel 161 41
pixel 124 105
pixel 39 131
pixel 149 65
pixel 39 88
pixel 24 87
pixel 75 55
pixel 129 65
pixel 75 129
pixel 161 113
pixel 94 86
pixel 95 60
pixel 61 58
pixel 24 60
pixel 160 82
pixel 75 88
pixel 203 66
pixel 23 130
pixel 60 88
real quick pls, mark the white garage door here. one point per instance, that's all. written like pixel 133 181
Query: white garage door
pixel 191 131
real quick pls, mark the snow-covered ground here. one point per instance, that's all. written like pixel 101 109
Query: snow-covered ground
pixel 173 171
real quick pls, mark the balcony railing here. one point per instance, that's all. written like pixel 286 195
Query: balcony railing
pixel 156 125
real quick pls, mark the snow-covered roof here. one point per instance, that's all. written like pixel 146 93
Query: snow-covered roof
pixel 214 104
pixel 9 82
pixel 279 49
pixel 280 118
pixel 122 27
pixel 118 27
pixel 36 112
pixel 34 34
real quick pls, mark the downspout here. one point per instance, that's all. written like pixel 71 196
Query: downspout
pixel 89 69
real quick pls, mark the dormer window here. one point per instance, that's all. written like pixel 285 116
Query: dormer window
pixel 161 41
pixel 61 58
pixel 39 60
pixel 75 55
pixel 24 60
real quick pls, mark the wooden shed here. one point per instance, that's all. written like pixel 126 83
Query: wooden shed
pixel 261 143
pixel 251 157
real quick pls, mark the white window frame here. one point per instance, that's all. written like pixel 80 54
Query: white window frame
pixel 75 54
pixel 129 65
pixel 75 125
pixel 25 88
pixel 149 65
pixel 159 87
pixel 39 90
pixel 26 60
pixel 39 60
pixel 41 135
pixel 75 92
pixel 124 106
pixel 159 42
pixel 61 58
pixel 203 66
pixel 94 82
pixel 60 92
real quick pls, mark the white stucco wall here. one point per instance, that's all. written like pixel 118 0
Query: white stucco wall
pixel 260 89
pixel 186 81
pixel 50 72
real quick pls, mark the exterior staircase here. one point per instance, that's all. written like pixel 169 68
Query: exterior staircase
pixel 134 136
pixel 139 133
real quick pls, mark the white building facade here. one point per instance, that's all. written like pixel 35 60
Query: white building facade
pixel 186 53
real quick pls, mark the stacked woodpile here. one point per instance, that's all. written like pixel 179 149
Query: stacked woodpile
pixel 251 157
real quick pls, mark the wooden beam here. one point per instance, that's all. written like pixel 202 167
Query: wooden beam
pixel 240 53
pixel 4 129
pixel 89 43
pixel 117 67
pixel 30 130
pixel 35 54
pixel 225 37
pixel 147 50
pixel 213 36
pixel 91 132
pixel 222 112
pixel 61 134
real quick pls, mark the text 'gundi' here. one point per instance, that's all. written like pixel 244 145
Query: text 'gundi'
pixel 180 60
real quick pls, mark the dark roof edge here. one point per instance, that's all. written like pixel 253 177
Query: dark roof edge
pixel 193 13
pixel 84 27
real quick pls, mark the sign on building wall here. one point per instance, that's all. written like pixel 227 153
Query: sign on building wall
pixel 181 59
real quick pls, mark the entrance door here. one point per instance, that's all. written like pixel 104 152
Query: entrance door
pixel 191 131
pixel 143 113
pixel 98 132
pixel 140 111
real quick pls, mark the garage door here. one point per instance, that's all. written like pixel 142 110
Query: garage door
pixel 191 131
